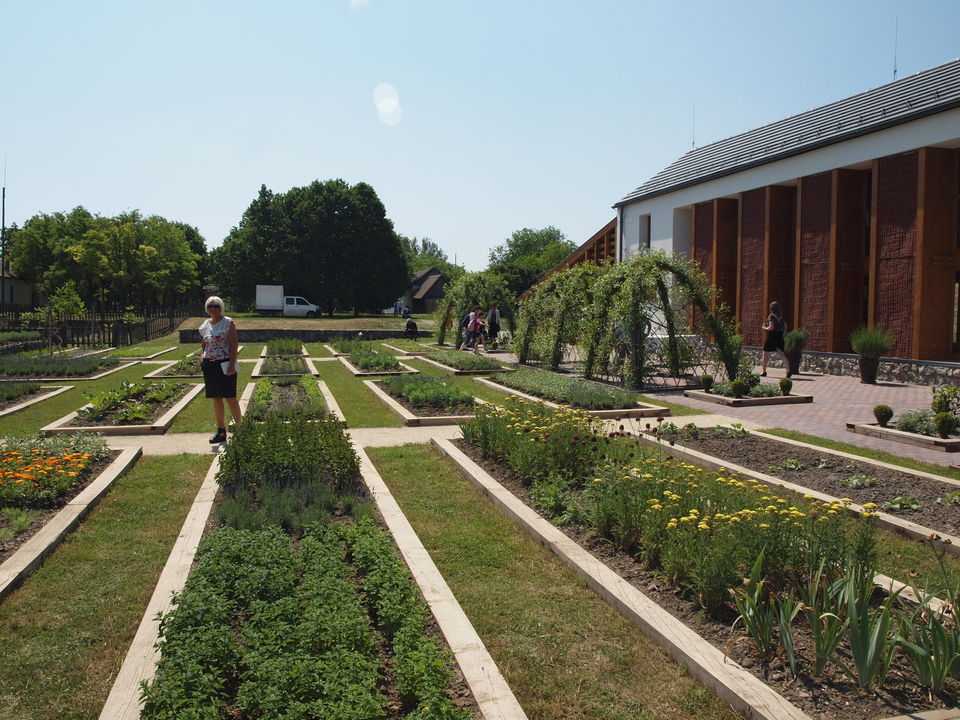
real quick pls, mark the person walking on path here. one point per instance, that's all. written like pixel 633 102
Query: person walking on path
pixel 493 324
pixel 479 335
pixel 471 338
pixel 775 326
pixel 218 361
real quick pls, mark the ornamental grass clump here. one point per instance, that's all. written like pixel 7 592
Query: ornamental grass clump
pixel 36 471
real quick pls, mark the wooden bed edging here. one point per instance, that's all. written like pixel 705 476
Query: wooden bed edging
pixel 490 690
pixel 642 409
pixel 411 420
pixel 140 664
pixel 732 683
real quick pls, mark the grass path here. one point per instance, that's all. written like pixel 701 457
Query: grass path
pixel 66 630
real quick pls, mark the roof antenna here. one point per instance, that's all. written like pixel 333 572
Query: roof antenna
pixel 896 29
pixel 693 132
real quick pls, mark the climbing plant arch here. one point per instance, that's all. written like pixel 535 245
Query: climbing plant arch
pixel 632 319
pixel 459 297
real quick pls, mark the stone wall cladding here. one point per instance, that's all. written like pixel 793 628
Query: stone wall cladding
pixel 911 372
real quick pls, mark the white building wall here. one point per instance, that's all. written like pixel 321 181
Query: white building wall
pixel 666 225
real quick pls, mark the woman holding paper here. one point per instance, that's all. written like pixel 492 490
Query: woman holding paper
pixel 218 360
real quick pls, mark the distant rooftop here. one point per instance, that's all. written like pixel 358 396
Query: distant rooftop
pixel 926 93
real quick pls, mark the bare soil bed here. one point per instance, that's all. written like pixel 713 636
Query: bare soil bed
pixel 830 474
pixel 832 696
pixel 428 410
pixel 47 513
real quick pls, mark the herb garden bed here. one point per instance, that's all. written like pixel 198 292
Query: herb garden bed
pixel 404 369
pixel 791 399
pixel 94 374
pixel 273 366
pixel 46 392
pixel 460 362
pixel 157 423
pixel 149 357
pixel 414 349
pixel 703 642
pixel 641 410
pixel 910 502
pixel 413 415
pixel 305 395
pixel 887 433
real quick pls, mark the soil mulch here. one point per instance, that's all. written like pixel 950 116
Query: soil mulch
pixel 832 696
pixel 830 474
pixel 428 410
pixel 156 412
pixel 47 513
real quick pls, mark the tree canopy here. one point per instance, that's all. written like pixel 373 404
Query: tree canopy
pixel 329 242
pixel 127 259
pixel 425 253
pixel 528 255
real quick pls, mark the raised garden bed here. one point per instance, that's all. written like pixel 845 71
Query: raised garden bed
pixel 888 433
pixel 28 550
pixel 152 356
pixel 94 374
pixel 746 401
pixel 417 416
pixel 46 392
pixel 356 372
pixel 282 396
pixel 460 362
pixel 410 347
pixel 296 365
pixel 73 423
pixel 641 410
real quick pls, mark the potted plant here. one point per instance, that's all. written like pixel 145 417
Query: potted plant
pixel 794 341
pixel 871 344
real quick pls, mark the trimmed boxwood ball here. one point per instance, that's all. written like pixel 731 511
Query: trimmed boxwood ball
pixel 739 387
pixel 707 382
pixel 945 423
pixel 883 414
pixel 786 385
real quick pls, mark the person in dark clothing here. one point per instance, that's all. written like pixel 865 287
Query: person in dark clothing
pixel 775 327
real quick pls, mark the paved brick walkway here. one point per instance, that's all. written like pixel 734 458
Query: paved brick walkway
pixel 837 400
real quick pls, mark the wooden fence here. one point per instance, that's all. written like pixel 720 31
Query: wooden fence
pixel 109 329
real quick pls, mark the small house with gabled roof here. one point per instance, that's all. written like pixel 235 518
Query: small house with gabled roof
pixel 844 214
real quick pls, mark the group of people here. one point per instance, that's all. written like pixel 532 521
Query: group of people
pixel 478 329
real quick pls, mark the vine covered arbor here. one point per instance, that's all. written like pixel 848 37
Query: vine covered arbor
pixel 645 322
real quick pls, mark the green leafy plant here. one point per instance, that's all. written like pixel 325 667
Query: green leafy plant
pixel 568 390
pixel 464 361
pixel 370 361
pixel 738 387
pixel 951 498
pixel 758 611
pixel 901 502
pixel 786 385
pixel 917 421
pixel 794 465
pixel 855 481
pixel 284 346
pixel 946 398
pixel 707 382
pixel 883 414
pixel 795 340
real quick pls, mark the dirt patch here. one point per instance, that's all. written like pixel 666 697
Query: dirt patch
pixel 827 473
pixel 47 513
pixel 832 696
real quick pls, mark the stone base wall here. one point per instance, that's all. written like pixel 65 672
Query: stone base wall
pixel 911 372
pixel 189 336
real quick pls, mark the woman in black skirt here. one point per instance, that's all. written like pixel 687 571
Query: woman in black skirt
pixel 775 326
pixel 219 344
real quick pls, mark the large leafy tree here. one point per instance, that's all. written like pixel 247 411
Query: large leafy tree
pixel 527 255
pixel 329 241
pixel 425 253
pixel 125 260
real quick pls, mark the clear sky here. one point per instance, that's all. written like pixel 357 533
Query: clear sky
pixel 493 116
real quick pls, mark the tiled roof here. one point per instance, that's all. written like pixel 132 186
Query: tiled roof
pixel 427 285
pixel 915 96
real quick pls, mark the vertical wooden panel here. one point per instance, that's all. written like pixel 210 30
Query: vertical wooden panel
pixel 779 239
pixel 813 270
pixel 936 242
pixel 751 305
pixel 726 219
pixel 847 251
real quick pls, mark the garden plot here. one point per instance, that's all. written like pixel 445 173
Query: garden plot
pixel 406 347
pixel 47 369
pixel 272 580
pixel 185 367
pixel 274 366
pixel 303 394
pixel 910 438
pixel 700 532
pixel 56 526
pixel 639 410
pixel 152 356
pixel 460 362
pixel 385 368
pixel 147 408
pixel 45 392
pixel 713 397
pixel 425 414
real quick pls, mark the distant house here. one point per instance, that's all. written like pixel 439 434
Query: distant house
pixel 426 291
pixel 16 291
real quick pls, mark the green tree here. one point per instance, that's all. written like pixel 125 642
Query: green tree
pixel 329 241
pixel 425 253
pixel 528 255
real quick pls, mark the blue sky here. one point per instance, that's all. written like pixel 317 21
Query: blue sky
pixel 502 115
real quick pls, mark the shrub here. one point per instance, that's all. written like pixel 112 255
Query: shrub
pixel 946 399
pixel 738 387
pixel 707 382
pixel 945 424
pixel 786 385
pixel 883 413
pixel 795 340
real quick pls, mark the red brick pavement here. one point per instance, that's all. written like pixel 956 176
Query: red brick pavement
pixel 837 400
